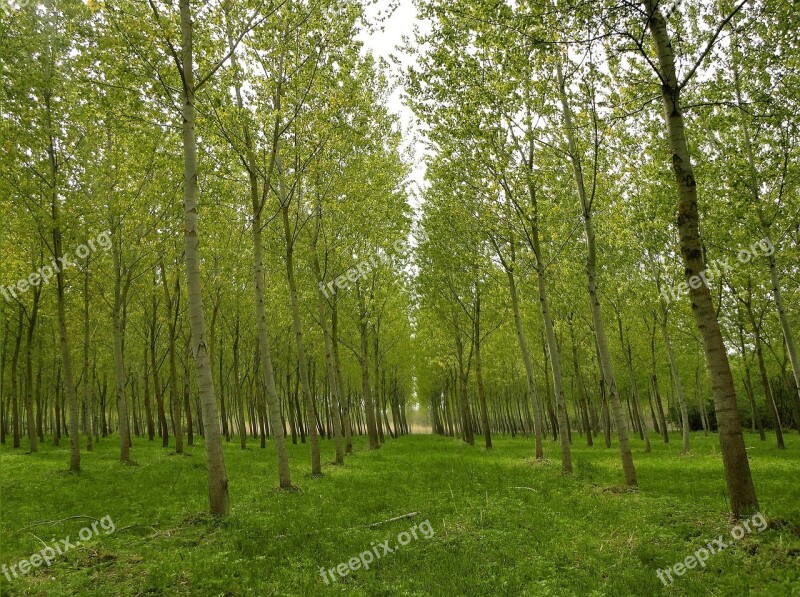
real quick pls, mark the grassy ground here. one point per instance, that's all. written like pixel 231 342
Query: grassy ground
pixel 502 525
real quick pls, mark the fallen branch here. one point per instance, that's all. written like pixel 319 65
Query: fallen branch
pixel 528 488
pixel 409 515
pixel 54 522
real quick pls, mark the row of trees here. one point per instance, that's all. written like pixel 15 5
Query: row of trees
pixel 558 271
pixel 238 156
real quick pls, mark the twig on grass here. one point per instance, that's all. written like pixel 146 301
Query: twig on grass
pixel 54 522
pixel 409 515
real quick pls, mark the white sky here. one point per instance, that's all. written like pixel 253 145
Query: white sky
pixel 383 41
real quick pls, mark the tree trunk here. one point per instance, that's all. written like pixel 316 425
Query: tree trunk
pixel 466 415
pixel 265 349
pixel 217 477
pixel 172 306
pixel 552 343
pixel 29 414
pixel 765 224
pixel 637 412
pixel 487 433
pixel 330 367
pixel 762 369
pixel 526 360
pixel 676 379
pixel 377 397
pixel 308 396
pixel 348 429
pixel 148 408
pixel 187 383
pixel 363 326
pixel 58 254
pixel 15 386
pixel 654 383
pixel 748 387
pixel 118 321
pixel 734 455
pixel 594 301
pixel 162 415
pixel 88 403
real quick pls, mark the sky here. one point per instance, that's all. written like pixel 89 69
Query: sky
pixel 383 41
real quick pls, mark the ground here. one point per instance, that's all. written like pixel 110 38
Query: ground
pixel 499 523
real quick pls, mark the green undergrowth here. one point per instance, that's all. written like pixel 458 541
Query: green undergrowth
pixel 503 524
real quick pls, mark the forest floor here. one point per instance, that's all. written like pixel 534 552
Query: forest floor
pixel 488 523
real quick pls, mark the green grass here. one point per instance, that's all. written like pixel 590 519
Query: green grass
pixel 503 524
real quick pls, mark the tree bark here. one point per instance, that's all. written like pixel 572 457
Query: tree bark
pixel 594 301
pixel 734 456
pixel 487 432
pixel 322 306
pixel 676 380
pixel 363 326
pixel 58 254
pixel 257 201
pixel 15 425
pixel 765 224
pixel 348 428
pixel 29 415
pixel 172 306
pixel 308 396
pixel 217 476
pixel 526 360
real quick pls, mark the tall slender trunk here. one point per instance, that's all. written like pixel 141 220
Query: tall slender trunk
pixel 466 415
pixel 15 386
pixel 765 224
pixel 3 358
pixel 654 382
pixel 363 326
pixel 88 403
pixel 698 392
pixel 322 306
pixel 257 201
pixel 748 388
pixel 676 379
pixel 637 412
pixel 217 477
pixel 187 386
pixel 148 409
pixel 487 433
pixel 118 318
pixel 581 386
pixel 172 306
pixel 162 415
pixel 734 455
pixel 348 428
pixel 308 396
pixel 29 414
pixel 526 360
pixel 762 369
pixel 377 396
pixel 552 343
pixel 237 387
pixel 594 301
pixel 58 254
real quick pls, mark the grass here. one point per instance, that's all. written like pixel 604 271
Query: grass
pixel 503 524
